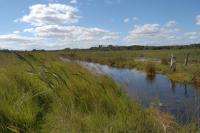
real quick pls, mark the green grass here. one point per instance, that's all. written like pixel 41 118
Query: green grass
pixel 40 93
pixel 128 59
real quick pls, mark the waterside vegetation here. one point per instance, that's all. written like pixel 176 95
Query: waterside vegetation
pixel 139 59
pixel 41 93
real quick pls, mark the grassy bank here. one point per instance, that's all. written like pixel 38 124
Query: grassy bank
pixel 40 93
pixel 131 59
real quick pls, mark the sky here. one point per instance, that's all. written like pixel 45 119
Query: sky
pixel 59 24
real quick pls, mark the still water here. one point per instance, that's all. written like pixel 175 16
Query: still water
pixel 180 100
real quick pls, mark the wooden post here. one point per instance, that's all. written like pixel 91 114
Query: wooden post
pixel 173 62
pixel 186 59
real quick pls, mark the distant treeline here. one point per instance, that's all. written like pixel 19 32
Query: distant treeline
pixel 139 47
pixel 113 47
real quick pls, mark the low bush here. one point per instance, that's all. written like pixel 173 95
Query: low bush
pixel 196 77
pixel 164 61
pixel 150 69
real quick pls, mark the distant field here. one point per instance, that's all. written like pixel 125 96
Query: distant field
pixel 128 59
pixel 132 54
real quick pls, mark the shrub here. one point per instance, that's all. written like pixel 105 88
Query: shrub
pixel 164 61
pixel 196 77
pixel 150 69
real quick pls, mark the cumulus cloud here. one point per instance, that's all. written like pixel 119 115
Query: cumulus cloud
pixel 135 18
pixel 147 30
pixel 14 38
pixel 198 20
pixel 192 35
pixel 171 23
pixel 126 20
pixel 73 33
pixel 41 14
pixel 16 41
pixel 112 2
pixel 52 27
pixel 16 32
pixel 150 33
pixel 73 2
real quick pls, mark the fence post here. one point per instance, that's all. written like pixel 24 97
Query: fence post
pixel 173 62
pixel 186 59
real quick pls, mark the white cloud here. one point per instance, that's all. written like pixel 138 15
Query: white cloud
pixel 58 37
pixel 112 1
pixel 151 34
pixel 16 21
pixel 198 20
pixel 73 33
pixel 52 28
pixel 16 41
pixel 52 1
pixel 192 35
pixel 126 20
pixel 171 23
pixel 147 30
pixel 14 38
pixel 41 14
pixel 135 18
pixel 73 2
pixel 16 32
pixel 28 30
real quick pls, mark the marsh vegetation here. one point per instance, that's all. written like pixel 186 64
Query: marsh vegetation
pixel 41 93
pixel 139 59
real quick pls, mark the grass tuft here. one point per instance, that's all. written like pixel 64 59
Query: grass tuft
pixel 150 69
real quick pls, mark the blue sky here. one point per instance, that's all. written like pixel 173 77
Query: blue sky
pixel 57 24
